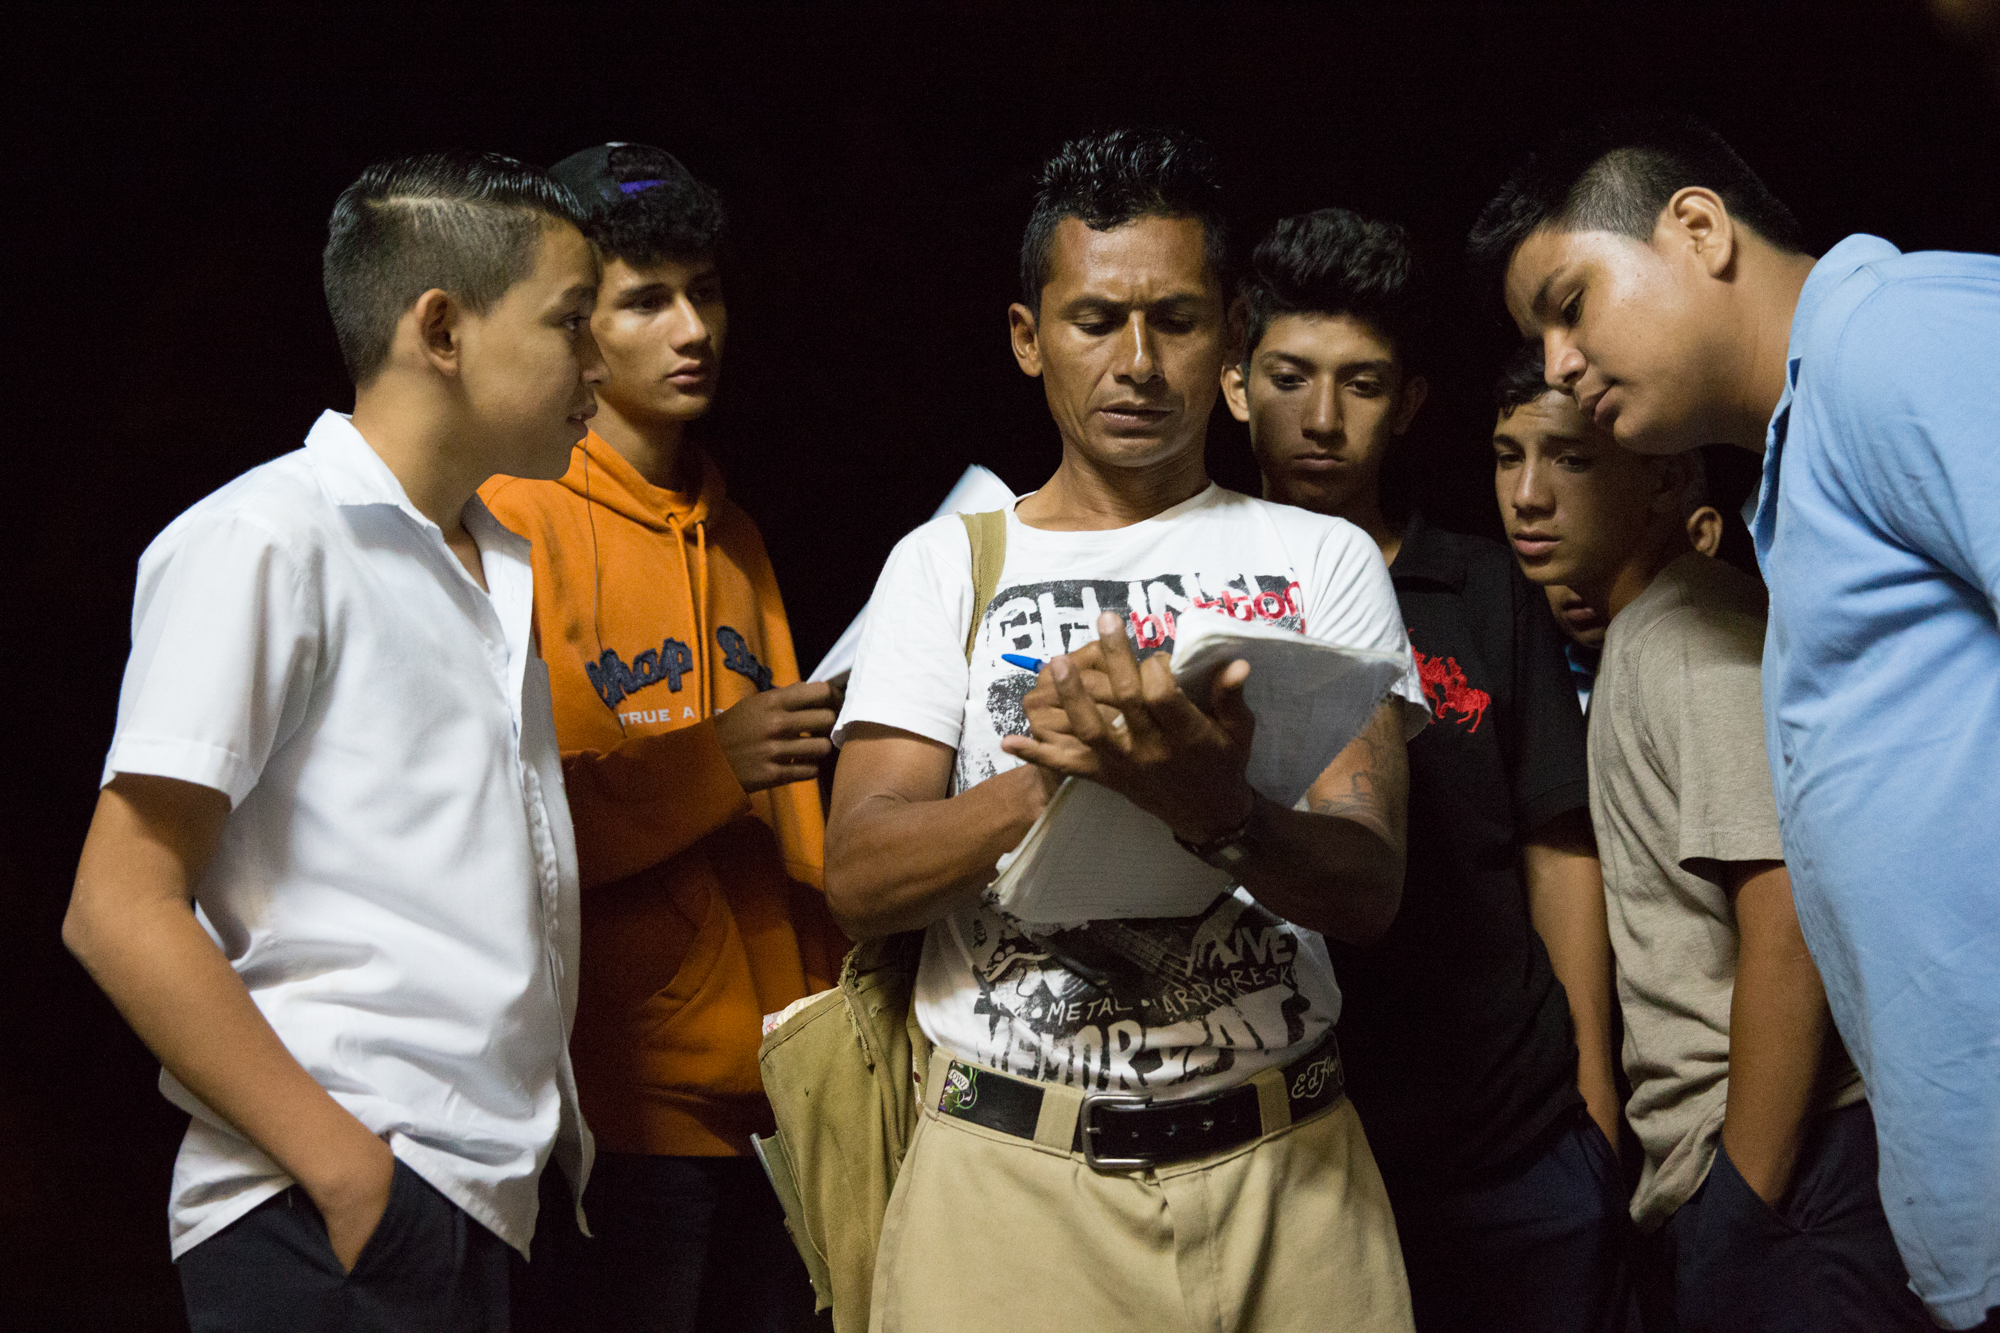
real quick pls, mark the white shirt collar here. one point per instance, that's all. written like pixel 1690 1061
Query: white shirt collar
pixel 351 471
pixel 353 474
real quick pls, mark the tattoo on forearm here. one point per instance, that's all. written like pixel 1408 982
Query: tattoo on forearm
pixel 1369 799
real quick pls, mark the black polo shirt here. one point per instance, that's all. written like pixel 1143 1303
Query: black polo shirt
pixel 1455 1033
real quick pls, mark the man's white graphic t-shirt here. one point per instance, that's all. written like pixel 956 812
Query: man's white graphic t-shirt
pixel 1175 1006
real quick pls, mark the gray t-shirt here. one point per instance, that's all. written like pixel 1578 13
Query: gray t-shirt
pixel 1679 785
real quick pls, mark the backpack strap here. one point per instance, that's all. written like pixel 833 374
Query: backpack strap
pixel 988 534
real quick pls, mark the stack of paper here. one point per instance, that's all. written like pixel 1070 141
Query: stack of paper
pixel 1094 856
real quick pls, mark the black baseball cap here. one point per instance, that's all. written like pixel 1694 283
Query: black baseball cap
pixel 604 176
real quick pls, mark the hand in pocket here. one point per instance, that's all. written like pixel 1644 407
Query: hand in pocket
pixel 1742 1269
pixel 353 1207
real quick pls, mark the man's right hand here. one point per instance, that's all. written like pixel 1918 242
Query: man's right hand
pixel 352 1195
pixel 1129 726
pixel 779 736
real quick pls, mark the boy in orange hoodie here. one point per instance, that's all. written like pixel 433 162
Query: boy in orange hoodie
pixel 689 749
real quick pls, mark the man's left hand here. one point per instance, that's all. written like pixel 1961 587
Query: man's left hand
pixel 1101 714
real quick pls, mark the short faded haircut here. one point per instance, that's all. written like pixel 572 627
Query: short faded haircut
pixel 1617 175
pixel 465 223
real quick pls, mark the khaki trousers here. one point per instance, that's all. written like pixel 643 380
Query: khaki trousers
pixel 1289 1233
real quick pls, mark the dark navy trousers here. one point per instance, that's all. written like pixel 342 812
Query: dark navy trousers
pixel 677 1245
pixel 1541 1249
pixel 1822 1261
pixel 427 1266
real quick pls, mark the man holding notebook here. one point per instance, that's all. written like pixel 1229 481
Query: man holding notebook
pixel 1144 1112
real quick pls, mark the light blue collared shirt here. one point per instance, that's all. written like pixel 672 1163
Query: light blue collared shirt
pixel 1878 528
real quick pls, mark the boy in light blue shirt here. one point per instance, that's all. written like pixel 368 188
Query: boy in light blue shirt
pixel 1673 299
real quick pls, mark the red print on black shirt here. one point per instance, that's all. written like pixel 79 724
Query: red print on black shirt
pixel 1449 693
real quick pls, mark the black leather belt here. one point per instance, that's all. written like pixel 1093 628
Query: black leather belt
pixel 1127 1131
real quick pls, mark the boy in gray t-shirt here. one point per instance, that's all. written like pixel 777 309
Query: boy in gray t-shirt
pixel 1757 1196
pixel 1680 794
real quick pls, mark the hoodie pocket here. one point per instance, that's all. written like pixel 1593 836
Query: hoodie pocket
pixel 642 938
pixel 700 1033
pixel 695 973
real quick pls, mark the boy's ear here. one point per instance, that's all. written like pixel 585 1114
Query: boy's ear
pixel 1237 322
pixel 436 319
pixel 1415 389
pixel 1698 220
pixel 1236 391
pixel 1705 530
pixel 1025 337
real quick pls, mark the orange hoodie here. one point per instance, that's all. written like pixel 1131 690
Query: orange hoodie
pixel 701 911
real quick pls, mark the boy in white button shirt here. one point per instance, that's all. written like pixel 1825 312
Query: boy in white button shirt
pixel 334 742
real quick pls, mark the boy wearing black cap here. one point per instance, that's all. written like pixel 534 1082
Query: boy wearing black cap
pixel 688 747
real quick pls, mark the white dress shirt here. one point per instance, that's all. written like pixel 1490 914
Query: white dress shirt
pixel 396 883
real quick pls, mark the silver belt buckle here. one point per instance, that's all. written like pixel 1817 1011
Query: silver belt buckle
pixel 1088 1129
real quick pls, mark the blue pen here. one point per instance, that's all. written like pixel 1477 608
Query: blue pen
pixel 1023 661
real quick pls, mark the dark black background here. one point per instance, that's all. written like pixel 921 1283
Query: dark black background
pixel 166 205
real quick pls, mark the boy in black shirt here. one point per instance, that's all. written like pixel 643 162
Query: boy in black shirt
pixel 1478 1031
